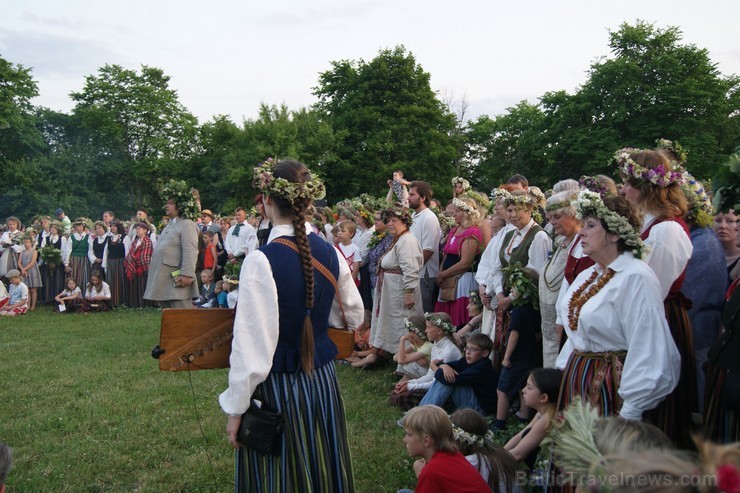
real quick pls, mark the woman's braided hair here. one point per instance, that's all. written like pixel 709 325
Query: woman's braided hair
pixel 296 172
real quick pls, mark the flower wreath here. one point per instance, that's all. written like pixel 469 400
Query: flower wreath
pixel 365 214
pixel 537 195
pixel 400 212
pixel 470 438
pixel 446 327
pixel 519 200
pixel 480 198
pixel 700 206
pixel 465 183
pixel 87 222
pixel 660 176
pixel 557 205
pixel 592 184
pixel 675 148
pixel 499 193
pixel 474 298
pixel 472 211
pixel 590 204
pixel 414 329
pixel 266 182
pixel 182 195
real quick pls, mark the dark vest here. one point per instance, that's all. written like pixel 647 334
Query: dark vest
pixel 287 270
pixel 116 249
pixel 99 248
pixel 519 254
pixel 79 248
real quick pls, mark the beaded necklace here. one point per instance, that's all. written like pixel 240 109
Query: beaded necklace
pixel 579 298
pixel 554 284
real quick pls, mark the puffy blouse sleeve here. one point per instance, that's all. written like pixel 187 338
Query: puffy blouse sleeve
pixel 256 330
pixel 410 259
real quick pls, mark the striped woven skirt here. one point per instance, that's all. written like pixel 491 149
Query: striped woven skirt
pixel 136 289
pixel 117 281
pixel 594 377
pixel 673 415
pixel 315 454
pixel 80 271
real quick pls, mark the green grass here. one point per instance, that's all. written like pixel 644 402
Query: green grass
pixel 86 409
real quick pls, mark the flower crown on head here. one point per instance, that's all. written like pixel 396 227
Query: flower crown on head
pixel 467 208
pixel 499 193
pixel 474 298
pixel 365 214
pixel 182 195
pixel 87 222
pixel 557 205
pixel 470 438
pixel 592 184
pixel 459 179
pixel 445 327
pixel 414 329
pixel 675 148
pixel 519 199
pixel 590 204
pixel 265 181
pixel 700 206
pixel 661 176
pixel 402 213
pixel 537 194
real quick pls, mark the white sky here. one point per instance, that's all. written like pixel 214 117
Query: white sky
pixel 225 57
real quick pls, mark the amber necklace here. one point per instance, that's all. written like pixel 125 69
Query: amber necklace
pixel 579 298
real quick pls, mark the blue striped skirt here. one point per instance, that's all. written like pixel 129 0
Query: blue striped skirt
pixel 315 454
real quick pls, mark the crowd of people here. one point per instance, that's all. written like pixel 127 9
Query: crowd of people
pixel 509 305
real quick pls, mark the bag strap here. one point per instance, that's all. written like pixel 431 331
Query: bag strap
pixel 323 271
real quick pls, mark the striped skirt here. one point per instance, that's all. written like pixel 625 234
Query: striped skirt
pixel 673 415
pixel 117 281
pixel 721 423
pixel 136 288
pixel 80 271
pixel 315 454
pixel 594 377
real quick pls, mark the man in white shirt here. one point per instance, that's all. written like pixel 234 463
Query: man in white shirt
pixel 241 238
pixel 425 228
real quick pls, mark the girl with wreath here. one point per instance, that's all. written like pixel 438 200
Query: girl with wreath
pixel 77 263
pixel 118 246
pixel 619 355
pixel 652 182
pixel 281 347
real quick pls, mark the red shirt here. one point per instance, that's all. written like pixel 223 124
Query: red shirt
pixel 450 473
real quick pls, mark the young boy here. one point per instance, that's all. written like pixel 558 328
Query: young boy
pixel 441 468
pixel 207 291
pixel 398 187
pixel 18 302
pixel 221 295
pixel 343 233
pixel 470 381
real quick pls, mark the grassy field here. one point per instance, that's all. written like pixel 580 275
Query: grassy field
pixel 86 409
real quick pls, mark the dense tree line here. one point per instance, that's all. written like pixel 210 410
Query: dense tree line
pixel 128 132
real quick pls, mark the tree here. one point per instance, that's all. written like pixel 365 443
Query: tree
pixel 385 116
pixel 137 119
pixel 653 87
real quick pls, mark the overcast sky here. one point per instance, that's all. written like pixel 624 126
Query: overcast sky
pixel 227 56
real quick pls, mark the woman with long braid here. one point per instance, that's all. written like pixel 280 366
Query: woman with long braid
pixel 281 347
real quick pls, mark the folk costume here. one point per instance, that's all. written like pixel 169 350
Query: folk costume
pixel 458 309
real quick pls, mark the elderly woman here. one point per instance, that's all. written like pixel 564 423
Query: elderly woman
pixel 620 355
pixel 561 216
pixel 137 263
pixel 522 256
pixel 652 182
pixel 456 278
pixel 397 293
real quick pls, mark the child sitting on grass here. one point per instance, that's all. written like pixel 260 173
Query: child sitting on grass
pixel 474 441
pixel 441 467
pixel 18 296
pixel 469 381
pixel 231 286
pixel 207 290
pixel 221 295
pixel 66 298
pixel 439 329
pixel 414 350
pixel 541 394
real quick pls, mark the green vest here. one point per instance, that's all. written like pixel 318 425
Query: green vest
pixel 519 254
pixel 79 247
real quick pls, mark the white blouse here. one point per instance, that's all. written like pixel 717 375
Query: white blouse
pixel 484 274
pixel 626 314
pixel 538 251
pixel 104 292
pixel 444 349
pixel 668 251
pixel 257 324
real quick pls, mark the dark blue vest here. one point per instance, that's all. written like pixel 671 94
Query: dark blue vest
pixel 287 270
